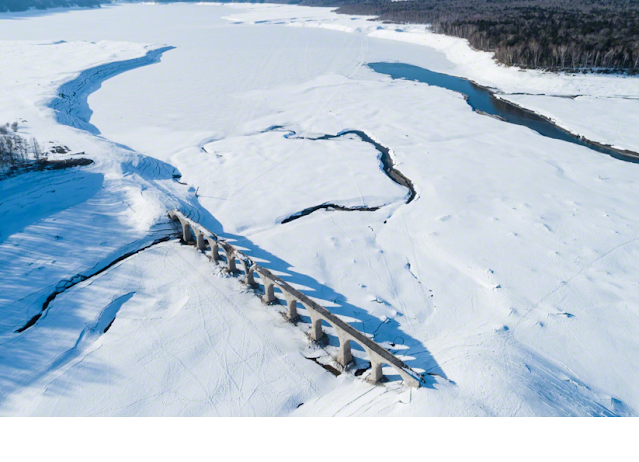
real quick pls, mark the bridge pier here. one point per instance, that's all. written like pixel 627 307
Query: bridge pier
pixel 215 251
pixel 269 292
pixel 186 234
pixel 316 331
pixel 344 356
pixel 229 250
pixel 376 372
pixel 248 271
pixel 200 241
pixel 230 262
pixel 291 305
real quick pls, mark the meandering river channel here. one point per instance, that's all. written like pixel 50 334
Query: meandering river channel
pixel 484 101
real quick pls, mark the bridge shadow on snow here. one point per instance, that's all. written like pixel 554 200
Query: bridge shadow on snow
pixel 386 332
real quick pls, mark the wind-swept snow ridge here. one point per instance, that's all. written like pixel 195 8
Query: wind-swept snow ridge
pixel 345 332
pixel 68 283
pixel 71 106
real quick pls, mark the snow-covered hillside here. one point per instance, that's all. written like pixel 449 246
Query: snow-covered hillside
pixel 511 278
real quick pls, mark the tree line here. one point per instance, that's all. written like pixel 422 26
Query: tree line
pixel 565 35
pixel 24 5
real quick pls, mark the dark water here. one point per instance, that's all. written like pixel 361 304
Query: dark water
pixel 387 164
pixel 481 99
pixel 328 206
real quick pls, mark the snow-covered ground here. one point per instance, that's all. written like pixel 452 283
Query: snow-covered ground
pixel 179 345
pixel 512 276
pixel 606 108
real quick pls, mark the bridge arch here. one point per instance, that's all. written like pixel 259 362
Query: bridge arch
pixel 186 229
pixel 345 355
pixel 269 290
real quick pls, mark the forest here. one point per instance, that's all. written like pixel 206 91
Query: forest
pixel 557 35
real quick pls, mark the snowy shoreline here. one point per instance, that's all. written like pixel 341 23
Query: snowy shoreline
pixel 516 253
pixel 476 66
pixel 503 113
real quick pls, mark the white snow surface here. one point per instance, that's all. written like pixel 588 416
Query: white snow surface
pixel 512 277
pixel 195 348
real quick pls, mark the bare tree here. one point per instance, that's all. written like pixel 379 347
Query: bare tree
pixel 35 148
pixel 16 151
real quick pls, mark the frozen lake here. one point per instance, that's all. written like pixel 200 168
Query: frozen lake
pixel 508 278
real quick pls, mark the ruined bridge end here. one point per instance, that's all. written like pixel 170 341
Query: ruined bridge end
pixel 345 332
pixel 204 236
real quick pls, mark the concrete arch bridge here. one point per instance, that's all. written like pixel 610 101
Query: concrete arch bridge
pixel 211 244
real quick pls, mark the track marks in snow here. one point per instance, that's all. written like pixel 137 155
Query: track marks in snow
pixel 91 333
pixel 564 284
pixel 192 340
pixel 230 356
